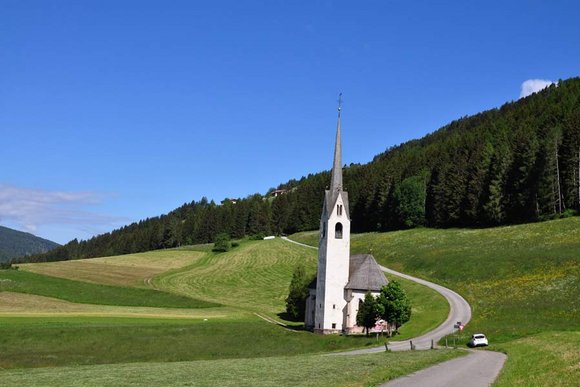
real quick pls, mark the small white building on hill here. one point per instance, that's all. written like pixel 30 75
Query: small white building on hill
pixel 342 280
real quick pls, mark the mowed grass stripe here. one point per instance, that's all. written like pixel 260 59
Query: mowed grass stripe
pixel 30 305
pixel 87 293
pixel 254 276
pixel 124 270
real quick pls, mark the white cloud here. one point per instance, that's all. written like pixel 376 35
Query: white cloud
pixel 532 86
pixel 30 208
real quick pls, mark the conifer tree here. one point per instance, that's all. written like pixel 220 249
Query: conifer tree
pixel 368 313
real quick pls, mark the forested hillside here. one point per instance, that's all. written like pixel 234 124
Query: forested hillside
pixel 519 163
pixel 15 244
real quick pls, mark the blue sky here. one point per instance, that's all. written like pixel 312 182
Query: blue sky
pixel 114 111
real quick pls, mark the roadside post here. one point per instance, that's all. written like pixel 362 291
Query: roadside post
pixel 458 327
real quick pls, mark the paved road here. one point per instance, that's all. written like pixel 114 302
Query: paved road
pixel 478 369
pixel 298 243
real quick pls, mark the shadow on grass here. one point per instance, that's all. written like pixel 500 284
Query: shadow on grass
pixel 292 323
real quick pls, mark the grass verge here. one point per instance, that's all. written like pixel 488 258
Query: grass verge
pixel 547 359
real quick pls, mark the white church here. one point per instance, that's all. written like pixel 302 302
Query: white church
pixel 343 279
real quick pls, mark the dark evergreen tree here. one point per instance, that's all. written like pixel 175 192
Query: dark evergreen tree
pixel 297 294
pixel 368 313
pixel 518 163
pixel 409 199
pixel 395 306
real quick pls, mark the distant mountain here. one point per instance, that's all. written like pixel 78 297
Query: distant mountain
pixel 14 244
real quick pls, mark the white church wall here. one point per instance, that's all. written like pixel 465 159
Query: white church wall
pixel 356 296
pixel 334 255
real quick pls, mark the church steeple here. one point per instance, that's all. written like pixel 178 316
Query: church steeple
pixel 336 177
pixel 326 309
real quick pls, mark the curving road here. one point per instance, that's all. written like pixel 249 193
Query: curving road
pixel 459 311
pixel 479 368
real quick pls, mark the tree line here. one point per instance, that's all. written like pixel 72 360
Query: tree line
pixel 514 164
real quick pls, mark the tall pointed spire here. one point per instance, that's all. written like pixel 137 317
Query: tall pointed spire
pixel 336 178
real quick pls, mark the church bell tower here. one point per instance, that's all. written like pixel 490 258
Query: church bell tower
pixel 333 249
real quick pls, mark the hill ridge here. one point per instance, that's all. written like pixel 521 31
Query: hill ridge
pixel 14 244
pixel 515 164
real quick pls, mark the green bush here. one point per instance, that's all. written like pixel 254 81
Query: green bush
pixel 222 243
pixel 7 266
pixel 568 213
pixel 297 294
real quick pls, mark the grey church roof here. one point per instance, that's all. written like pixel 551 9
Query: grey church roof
pixel 330 200
pixel 365 273
pixel 336 174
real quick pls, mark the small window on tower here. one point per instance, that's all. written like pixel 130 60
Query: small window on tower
pixel 338 231
pixel 339 209
pixel 333 325
pixel 334 306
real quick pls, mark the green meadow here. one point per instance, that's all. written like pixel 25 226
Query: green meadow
pixel 61 341
pixel 58 321
pixel 19 281
pixel 523 284
pixel 278 371
pixel 192 316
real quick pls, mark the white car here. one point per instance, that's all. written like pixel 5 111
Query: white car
pixel 477 340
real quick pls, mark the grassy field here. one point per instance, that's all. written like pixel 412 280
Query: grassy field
pixel 17 281
pixel 256 278
pixel 523 283
pixel 58 341
pixel 310 370
pixel 31 305
pixel 253 277
pixel 124 270
pixel 47 320
pixel 545 359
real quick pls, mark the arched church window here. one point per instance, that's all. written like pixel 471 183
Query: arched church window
pixel 338 231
